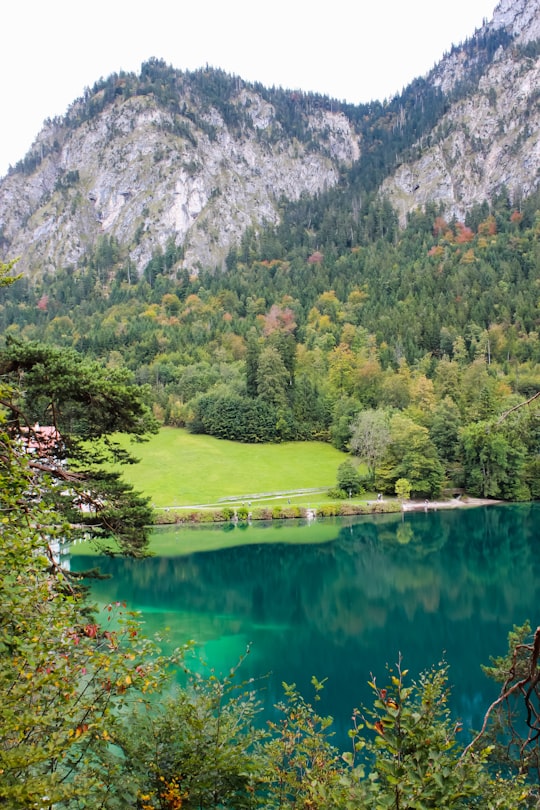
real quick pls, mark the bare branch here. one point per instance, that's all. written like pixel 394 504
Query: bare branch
pixel 56 470
pixel 532 678
pixel 515 408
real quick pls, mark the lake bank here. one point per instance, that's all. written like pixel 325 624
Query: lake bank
pixel 452 503
pixel 226 514
pixel 248 513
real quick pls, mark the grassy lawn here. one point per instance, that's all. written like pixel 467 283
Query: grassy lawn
pixel 178 468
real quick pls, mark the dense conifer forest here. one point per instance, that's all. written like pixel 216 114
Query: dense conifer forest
pixel 335 312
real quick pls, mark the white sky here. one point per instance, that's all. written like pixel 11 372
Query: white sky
pixel 357 50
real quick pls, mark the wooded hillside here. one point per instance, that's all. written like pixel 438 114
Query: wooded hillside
pixel 435 327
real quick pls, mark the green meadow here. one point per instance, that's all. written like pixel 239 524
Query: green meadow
pixel 178 469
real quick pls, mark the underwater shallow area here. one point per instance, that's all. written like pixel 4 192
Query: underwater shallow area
pixel 341 598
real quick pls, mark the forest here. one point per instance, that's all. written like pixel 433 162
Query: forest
pixel 335 325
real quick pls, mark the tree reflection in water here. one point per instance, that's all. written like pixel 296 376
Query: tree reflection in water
pixel 446 584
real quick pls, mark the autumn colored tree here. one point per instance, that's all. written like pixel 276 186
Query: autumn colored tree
pixel 342 367
pixel 279 319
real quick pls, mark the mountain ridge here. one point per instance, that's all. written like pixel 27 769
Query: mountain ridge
pixel 487 140
pixel 189 161
pixel 141 167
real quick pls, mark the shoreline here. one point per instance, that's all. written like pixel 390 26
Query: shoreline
pixel 206 514
pixel 452 503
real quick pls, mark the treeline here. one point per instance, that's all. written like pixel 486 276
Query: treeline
pixel 309 326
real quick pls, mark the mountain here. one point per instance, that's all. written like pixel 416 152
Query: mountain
pixel 489 137
pixel 192 158
pixel 184 163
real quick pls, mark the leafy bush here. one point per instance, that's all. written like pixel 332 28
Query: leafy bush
pixel 262 513
pixel 285 512
pixel 335 492
pixel 348 478
pixel 328 509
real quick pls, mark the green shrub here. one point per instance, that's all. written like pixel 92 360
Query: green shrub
pixel 336 492
pixel 348 478
pixel 163 517
pixel 328 510
pixel 348 508
pixel 291 512
pixel 262 513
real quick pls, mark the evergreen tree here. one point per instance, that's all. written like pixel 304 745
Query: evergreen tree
pixel 252 363
pixel 273 378
pixel 83 407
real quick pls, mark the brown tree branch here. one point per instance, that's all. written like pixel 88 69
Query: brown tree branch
pixel 56 470
pixel 533 677
pixel 515 408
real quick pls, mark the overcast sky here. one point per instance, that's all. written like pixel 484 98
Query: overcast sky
pixel 357 50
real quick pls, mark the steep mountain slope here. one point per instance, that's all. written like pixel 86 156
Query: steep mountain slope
pixel 185 163
pixel 192 158
pixel 490 136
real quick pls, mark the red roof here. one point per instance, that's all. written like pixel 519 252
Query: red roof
pixel 41 438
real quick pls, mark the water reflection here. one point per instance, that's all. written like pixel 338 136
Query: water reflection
pixel 437 584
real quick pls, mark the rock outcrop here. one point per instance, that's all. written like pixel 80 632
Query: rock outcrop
pixel 190 161
pixel 145 175
pixel 489 138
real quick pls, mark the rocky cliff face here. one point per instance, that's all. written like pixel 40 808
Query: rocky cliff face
pixel 145 175
pixel 192 160
pixel 490 136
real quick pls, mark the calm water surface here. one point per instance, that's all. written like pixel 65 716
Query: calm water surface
pixel 342 598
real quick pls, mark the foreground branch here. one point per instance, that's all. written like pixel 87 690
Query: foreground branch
pixel 515 408
pixel 532 678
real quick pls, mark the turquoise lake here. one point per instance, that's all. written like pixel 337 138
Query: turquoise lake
pixel 342 598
